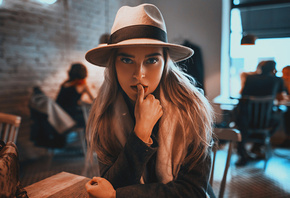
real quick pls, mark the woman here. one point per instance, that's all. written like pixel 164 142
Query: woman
pixel 71 91
pixel 149 125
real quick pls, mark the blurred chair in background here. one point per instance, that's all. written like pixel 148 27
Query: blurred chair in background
pixel 53 128
pixel 93 162
pixel 256 123
pixel 231 136
pixel 9 126
pixel 85 110
pixel 9 160
pixel 265 84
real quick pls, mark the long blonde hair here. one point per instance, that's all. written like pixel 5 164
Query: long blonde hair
pixel 178 89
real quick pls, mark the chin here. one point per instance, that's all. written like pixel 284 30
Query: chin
pixel 132 98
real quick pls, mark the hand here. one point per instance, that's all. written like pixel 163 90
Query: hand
pixel 100 188
pixel 147 112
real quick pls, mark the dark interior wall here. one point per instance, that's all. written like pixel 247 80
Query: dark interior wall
pixel 199 22
pixel 40 41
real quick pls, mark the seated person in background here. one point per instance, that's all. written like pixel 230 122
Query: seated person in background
pixel 263 84
pixel 104 39
pixel 49 121
pixel 244 75
pixel 286 78
pixel 266 83
pixel 69 96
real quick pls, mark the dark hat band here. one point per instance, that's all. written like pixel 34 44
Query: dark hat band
pixel 138 31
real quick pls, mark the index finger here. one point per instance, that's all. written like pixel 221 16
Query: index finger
pixel 140 94
pixel 93 181
pixel 88 185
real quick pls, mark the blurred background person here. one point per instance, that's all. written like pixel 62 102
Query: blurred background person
pixel 71 92
pixel 264 84
pixel 104 39
pixel 286 79
pixel 244 75
pixel 49 121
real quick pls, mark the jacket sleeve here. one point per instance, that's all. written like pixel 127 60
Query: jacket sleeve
pixel 130 163
pixel 126 172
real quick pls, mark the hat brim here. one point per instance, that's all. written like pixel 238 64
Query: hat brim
pixel 100 55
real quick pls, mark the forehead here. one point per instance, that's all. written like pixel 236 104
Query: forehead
pixel 141 51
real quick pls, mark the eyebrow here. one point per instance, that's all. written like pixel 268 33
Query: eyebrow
pixel 153 54
pixel 126 55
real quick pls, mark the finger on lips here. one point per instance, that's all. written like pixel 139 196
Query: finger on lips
pixel 140 95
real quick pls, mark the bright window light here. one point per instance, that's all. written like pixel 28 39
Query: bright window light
pixel 246 58
pixel 236 2
pixel 1 1
pixel 47 1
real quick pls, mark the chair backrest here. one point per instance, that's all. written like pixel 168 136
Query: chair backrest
pixel 9 125
pixel 231 135
pixel 256 120
pixel 258 111
pixel 86 110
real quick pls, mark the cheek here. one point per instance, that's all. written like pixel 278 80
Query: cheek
pixel 122 75
pixel 155 77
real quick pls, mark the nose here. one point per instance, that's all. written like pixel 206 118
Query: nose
pixel 139 72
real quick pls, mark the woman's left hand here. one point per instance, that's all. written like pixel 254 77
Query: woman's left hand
pixel 100 188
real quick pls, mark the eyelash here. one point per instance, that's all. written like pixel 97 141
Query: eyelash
pixel 148 61
pixel 126 60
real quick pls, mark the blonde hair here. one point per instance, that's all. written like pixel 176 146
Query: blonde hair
pixel 178 89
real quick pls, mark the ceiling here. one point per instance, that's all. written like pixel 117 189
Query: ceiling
pixel 265 18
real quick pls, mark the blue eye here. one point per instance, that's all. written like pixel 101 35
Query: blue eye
pixel 126 60
pixel 152 60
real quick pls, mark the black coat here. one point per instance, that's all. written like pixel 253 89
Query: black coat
pixel 136 156
pixel 263 85
pixel 194 65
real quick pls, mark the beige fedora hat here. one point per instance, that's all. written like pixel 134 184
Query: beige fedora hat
pixel 142 25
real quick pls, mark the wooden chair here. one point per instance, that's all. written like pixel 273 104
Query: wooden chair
pixel 82 130
pixel 9 125
pixel 232 136
pixel 257 114
pixel 86 110
pixel 88 163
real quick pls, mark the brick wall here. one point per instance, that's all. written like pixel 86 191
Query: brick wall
pixel 40 41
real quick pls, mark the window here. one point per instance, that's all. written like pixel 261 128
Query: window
pixel 273 41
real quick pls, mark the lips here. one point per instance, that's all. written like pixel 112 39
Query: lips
pixel 134 87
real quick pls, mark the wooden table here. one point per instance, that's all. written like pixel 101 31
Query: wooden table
pixel 60 185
